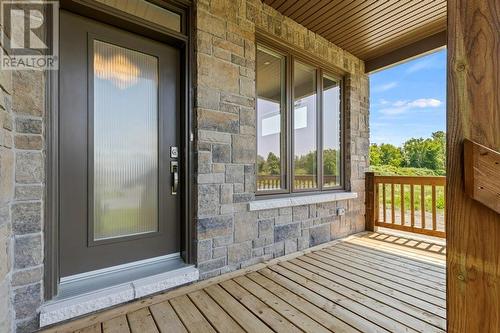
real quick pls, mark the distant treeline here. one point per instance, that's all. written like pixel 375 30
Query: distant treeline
pixel 416 157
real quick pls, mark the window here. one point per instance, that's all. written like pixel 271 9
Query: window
pixel 299 125
pixel 271 129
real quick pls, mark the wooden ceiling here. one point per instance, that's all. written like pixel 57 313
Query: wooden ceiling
pixel 369 29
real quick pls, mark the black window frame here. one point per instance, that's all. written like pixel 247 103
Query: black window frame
pixel 287 120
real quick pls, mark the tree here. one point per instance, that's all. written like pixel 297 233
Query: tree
pixel 273 164
pixel 375 158
pixel 424 153
pixel 440 138
pixel 390 155
pixel 261 164
pixel 305 164
pixel 330 160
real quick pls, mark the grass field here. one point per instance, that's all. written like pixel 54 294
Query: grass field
pixel 406 198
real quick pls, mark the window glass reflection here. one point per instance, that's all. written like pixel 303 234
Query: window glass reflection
pixel 270 105
pixel 331 133
pixel 305 128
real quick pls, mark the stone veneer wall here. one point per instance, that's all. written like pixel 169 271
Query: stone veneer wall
pixel 21 199
pixel 229 236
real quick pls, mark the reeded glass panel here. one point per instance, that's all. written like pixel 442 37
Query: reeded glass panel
pixel 305 129
pixel 125 124
pixel 331 133
pixel 270 108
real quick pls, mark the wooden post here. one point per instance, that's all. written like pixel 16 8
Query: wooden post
pixel 370 201
pixel 472 229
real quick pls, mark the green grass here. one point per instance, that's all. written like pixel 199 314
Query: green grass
pixel 388 170
pixel 440 197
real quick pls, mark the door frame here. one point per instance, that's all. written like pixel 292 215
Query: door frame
pixel 181 40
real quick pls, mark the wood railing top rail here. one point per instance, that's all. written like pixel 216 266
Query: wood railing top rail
pixel 406 203
pixel 411 180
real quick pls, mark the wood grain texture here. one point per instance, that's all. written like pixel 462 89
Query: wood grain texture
pixel 368 28
pixel 473 256
pixel 369 283
pixel 481 170
pixel 370 201
pixel 403 222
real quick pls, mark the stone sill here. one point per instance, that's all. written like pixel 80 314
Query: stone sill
pixel 60 310
pixel 300 200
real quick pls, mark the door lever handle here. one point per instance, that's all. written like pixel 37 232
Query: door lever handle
pixel 174 169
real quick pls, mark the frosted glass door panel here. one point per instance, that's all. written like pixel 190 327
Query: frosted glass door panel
pixel 125 149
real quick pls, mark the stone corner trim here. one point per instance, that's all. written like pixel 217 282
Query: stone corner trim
pixel 300 200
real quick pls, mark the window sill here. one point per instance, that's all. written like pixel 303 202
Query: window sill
pixel 300 200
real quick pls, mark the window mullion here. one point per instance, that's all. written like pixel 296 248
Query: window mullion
pixel 284 126
pixel 290 136
pixel 319 127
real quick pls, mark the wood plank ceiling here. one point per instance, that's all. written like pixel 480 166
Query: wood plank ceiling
pixel 368 29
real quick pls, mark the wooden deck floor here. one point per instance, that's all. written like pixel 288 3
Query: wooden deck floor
pixel 366 283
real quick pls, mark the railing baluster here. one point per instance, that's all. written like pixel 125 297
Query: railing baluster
pixel 408 224
pixel 393 218
pixel 383 202
pixel 422 205
pixel 402 204
pixel 434 214
pixel 412 204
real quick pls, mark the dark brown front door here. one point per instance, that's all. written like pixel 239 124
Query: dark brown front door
pixel 118 122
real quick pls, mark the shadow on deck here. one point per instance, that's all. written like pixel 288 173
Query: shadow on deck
pixel 370 282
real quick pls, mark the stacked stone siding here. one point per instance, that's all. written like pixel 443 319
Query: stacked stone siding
pixel 229 236
pixel 21 198
pixel 6 197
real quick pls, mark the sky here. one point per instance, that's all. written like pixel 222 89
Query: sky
pixel 408 100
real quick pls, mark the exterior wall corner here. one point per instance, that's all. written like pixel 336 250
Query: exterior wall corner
pixel 229 236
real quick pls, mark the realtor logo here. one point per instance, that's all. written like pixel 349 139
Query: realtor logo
pixel 29 36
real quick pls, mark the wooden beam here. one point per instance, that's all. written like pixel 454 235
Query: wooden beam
pixel 407 52
pixel 473 230
pixel 371 201
pixel 481 170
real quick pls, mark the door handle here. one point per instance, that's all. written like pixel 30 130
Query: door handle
pixel 174 169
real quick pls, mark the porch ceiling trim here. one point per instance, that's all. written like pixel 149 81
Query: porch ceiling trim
pixel 371 29
pixel 420 47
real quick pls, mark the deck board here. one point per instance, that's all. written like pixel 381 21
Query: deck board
pixel 166 319
pixel 365 283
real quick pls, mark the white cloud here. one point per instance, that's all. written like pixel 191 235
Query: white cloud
pixel 425 103
pixel 385 87
pixel 399 103
pixel 400 107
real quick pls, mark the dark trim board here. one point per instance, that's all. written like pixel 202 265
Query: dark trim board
pixel 137 25
pixel 425 45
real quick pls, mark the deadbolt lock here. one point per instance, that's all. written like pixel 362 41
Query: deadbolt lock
pixel 174 152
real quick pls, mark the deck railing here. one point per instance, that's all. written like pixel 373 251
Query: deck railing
pixel 273 182
pixel 407 203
